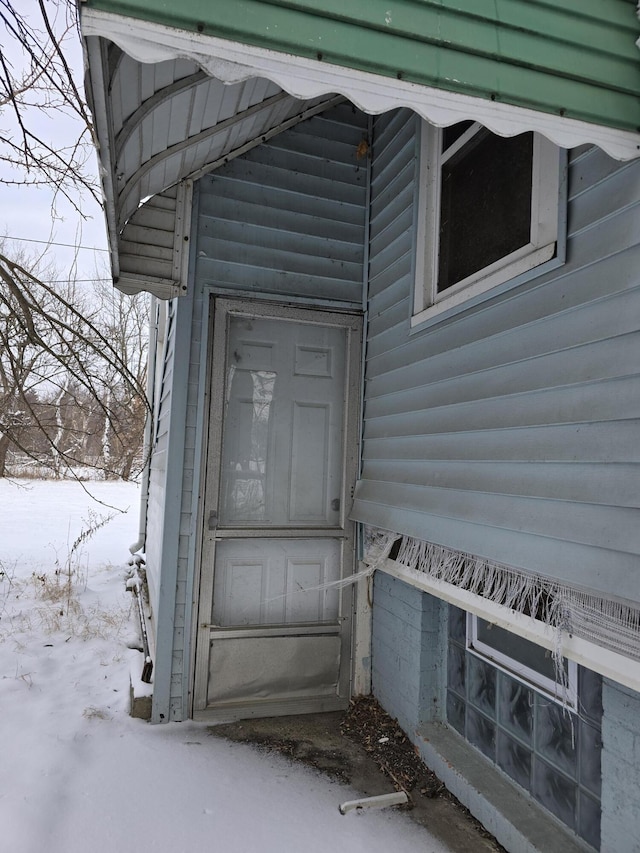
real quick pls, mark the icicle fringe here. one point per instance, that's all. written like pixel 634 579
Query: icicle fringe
pixel 612 624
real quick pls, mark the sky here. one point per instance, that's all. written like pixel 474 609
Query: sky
pixel 26 212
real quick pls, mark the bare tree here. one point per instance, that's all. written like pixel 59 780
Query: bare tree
pixel 71 368
pixel 16 375
pixel 56 342
pixel 22 367
pixel 125 321
pixel 37 87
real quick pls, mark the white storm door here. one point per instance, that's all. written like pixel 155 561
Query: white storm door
pixel 274 626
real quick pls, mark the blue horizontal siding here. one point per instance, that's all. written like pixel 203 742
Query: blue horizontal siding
pixel 511 430
pixel 288 217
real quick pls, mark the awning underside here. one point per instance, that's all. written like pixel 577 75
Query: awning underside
pixel 171 122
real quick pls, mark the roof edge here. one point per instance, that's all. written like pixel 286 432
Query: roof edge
pixel 234 62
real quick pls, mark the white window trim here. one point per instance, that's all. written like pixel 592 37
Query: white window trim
pixel 614 665
pixel 564 694
pixel 545 229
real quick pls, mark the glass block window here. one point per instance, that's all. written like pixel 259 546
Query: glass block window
pixel 528 661
pixel 550 751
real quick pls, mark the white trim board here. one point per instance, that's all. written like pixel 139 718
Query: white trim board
pixel 610 664
pixel 233 62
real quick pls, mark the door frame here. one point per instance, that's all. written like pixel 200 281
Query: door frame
pixel 220 308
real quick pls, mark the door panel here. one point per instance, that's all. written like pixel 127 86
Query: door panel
pixel 274 581
pixel 275 668
pixel 282 445
pixel 274 627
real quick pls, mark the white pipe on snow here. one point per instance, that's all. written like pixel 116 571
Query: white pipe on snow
pixel 396 798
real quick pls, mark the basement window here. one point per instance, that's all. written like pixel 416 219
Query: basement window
pixel 526 661
pixel 489 213
pixel 499 701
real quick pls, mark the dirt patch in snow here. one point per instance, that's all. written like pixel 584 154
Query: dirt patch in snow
pixel 367 749
pixel 369 725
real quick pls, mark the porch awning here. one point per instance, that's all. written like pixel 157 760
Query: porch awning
pixel 173 102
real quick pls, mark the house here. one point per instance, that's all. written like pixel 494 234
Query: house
pixel 394 252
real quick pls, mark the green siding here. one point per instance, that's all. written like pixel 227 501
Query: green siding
pixel 577 58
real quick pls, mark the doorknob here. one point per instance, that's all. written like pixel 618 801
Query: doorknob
pixel 213 520
pixel 335 504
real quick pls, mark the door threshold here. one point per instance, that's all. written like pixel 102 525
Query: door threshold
pixel 249 710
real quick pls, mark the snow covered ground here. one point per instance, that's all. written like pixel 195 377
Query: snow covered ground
pixel 76 772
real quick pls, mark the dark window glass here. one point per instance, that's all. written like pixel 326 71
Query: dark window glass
pixel 457 624
pixel 515 707
pixel 529 654
pixel 556 735
pixel 456 668
pixel 485 204
pixel 589 822
pixel 555 792
pixel 481 733
pixel 590 749
pixel 455 712
pixel 455 131
pixel 590 691
pixel 482 685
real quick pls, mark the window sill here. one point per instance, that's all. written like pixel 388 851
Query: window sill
pixel 450 307
pixel 610 664
pixel 516 821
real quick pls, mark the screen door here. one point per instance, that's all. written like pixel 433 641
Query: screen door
pixel 274 621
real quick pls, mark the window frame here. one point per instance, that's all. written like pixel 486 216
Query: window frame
pixel 563 694
pixel 544 251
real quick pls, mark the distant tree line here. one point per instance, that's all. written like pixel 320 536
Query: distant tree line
pixel 72 355
pixel 73 361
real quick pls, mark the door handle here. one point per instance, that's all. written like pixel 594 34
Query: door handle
pixel 335 504
pixel 212 524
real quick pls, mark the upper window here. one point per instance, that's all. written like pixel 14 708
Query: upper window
pixel 488 212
